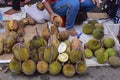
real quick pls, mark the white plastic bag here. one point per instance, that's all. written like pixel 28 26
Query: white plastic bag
pixel 37 15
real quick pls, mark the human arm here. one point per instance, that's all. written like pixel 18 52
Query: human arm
pixel 96 2
pixel 49 9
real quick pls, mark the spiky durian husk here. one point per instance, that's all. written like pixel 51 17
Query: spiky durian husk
pixel 28 67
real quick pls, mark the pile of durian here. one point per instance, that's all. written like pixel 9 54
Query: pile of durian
pixel 51 52
pixel 15 32
pixel 103 48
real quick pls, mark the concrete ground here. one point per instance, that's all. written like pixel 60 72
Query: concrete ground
pixel 93 73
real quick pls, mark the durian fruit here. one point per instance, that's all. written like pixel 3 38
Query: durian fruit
pixel 81 68
pixel 45 33
pixel 20 39
pixel 54 41
pixel 93 22
pixel 99 26
pixel 28 67
pixel 10 41
pixel 50 54
pixel 75 56
pixel 88 53
pixel 13 25
pixel 55 68
pixel 14 66
pixel 102 57
pixel 93 44
pixel 20 30
pixel 111 52
pixel 63 57
pixel 34 56
pixel 57 21
pixel 68 70
pixel 63 35
pixel 31 21
pixel 40 6
pixel 41 53
pixel 42 67
pixel 114 61
pixel 68 49
pixel 37 42
pixel 76 44
pixel 6 49
pixel 108 43
pixel 88 28
pixel 99 51
pixel 1 45
pixel 98 34
pixel 54 30
pixel 21 52
pixel 25 21
pixel 13 34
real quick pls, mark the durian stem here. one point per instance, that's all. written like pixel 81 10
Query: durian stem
pixel 37 32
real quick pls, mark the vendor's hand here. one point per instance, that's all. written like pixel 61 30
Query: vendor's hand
pixel 96 2
pixel 53 16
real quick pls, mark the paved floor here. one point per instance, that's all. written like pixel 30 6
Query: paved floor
pixel 93 73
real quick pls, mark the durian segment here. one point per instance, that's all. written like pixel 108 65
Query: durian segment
pixel 63 57
pixel 62 47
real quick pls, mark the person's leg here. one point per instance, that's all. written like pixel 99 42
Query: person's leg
pixel 88 5
pixel 16 5
pixel 22 2
pixel 15 8
pixel 68 8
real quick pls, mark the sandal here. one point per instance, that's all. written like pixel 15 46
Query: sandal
pixel 72 32
pixel 21 3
